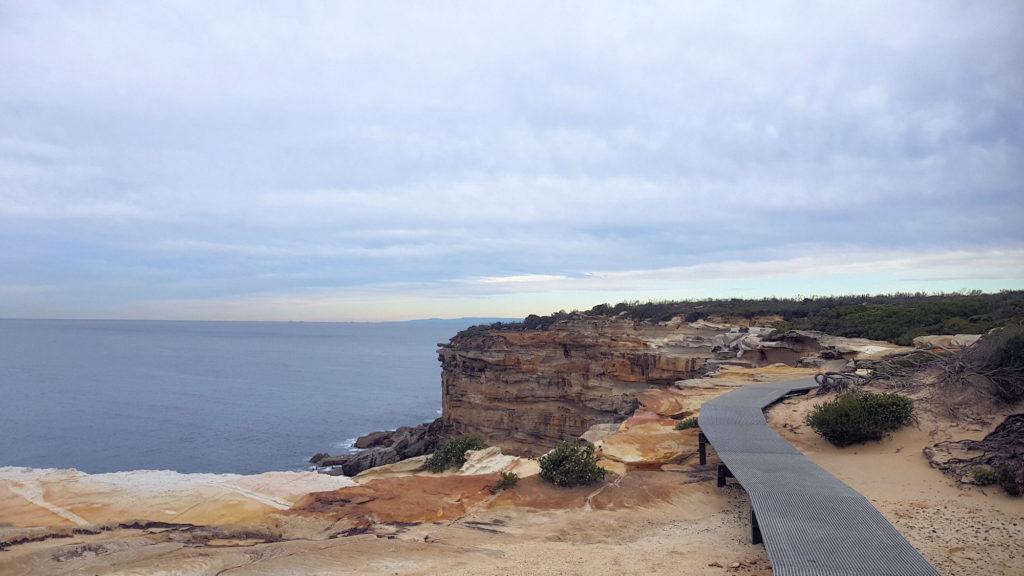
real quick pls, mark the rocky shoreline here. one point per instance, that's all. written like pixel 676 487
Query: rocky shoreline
pixel 528 389
pixel 396 518
pixel 384 447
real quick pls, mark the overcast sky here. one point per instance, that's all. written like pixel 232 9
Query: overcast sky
pixel 379 160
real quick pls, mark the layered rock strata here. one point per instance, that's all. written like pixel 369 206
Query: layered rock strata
pixel 526 390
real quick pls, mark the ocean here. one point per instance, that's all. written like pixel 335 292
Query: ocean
pixel 221 397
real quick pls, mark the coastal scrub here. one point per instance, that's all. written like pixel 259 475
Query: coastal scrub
pixel 507 481
pixel 453 453
pixel 571 465
pixel 687 423
pixel 854 418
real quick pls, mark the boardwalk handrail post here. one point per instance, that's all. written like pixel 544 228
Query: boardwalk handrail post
pixel 723 473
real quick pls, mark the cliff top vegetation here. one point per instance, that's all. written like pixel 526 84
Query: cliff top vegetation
pixel 897 318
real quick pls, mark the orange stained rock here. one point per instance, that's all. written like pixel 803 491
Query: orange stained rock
pixel 650 444
pixel 446 498
pixel 664 402
pixel 537 494
pixel 421 498
pixel 772 373
pixel 613 467
pixel 644 416
pixel 642 489
pixel 638 489
pixel 678 403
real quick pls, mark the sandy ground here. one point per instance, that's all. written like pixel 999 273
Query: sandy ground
pixel 960 529
pixel 670 520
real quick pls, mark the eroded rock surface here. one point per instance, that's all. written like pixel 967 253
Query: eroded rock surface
pixel 35 497
pixel 528 390
pixel 398 519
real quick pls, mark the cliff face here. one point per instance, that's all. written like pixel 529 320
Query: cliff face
pixel 527 390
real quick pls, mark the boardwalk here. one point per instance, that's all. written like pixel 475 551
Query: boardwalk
pixel 811 523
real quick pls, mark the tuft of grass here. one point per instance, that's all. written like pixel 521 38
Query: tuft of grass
pixel 507 481
pixel 453 453
pixel 854 418
pixel 687 423
pixel 985 476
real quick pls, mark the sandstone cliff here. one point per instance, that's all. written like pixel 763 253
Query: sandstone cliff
pixel 526 390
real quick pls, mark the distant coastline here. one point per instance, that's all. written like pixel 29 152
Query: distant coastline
pixel 466 321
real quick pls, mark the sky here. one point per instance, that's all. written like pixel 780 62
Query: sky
pixel 351 161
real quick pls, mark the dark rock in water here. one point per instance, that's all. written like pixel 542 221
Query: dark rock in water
pixel 352 464
pixel 318 457
pixel 386 448
pixel 374 439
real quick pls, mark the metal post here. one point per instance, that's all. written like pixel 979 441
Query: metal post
pixel 703 450
pixel 755 530
pixel 723 473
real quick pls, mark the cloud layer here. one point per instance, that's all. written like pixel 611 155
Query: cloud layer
pixel 359 161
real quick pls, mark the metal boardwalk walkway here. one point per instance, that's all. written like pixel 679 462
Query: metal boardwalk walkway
pixel 811 523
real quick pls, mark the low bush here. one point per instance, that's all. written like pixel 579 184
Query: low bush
pixel 854 418
pixel 1011 478
pixel 453 453
pixel 984 476
pixel 571 465
pixel 507 481
pixel 1000 356
pixel 687 423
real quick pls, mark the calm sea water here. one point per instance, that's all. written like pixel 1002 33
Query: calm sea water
pixel 243 397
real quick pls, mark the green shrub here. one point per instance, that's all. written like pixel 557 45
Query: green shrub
pixel 571 465
pixel 856 418
pixel 1001 356
pixel 507 481
pixel 1010 348
pixel 895 317
pixel 687 423
pixel 1011 478
pixel 984 476
pixel 453 454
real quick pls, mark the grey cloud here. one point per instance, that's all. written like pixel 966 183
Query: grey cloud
pixel 249 149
